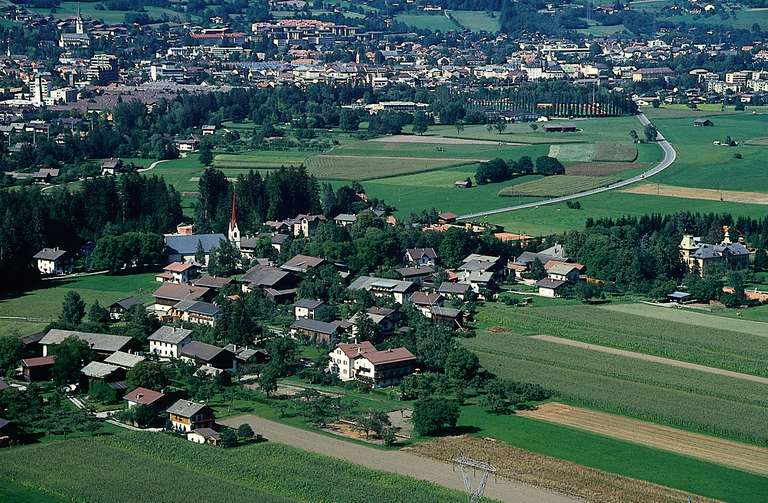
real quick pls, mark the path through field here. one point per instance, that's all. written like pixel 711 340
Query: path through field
pixel 399 462
pixel 725 452
pixel 651 358
pixel 731 196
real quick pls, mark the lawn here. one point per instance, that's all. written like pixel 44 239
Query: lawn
pixel 477 20
pixel 685 336
pixel 557 185
pixel 106 469
pixel 697 401
pixel 432 22
pixel 615 456
pixel 43 303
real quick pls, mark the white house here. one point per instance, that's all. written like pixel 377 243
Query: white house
pixel 381 287
pixel 363 362
pixel 308 308
pixel 53 261
pixel 420 256
pixel 168 341
pixel 179 273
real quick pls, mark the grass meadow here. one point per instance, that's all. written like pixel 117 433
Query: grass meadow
pixel 557 185
pixel 106 469
pixel 478 20
pixel 433 22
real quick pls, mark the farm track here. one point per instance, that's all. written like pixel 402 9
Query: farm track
pixel 651 358
pixel 669 157
pixel 399 462
pixel 737 455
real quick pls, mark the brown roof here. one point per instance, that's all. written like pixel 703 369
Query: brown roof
pixel 425 298
pixel 39 361
pixel 352 350
pixel 178 266
pixel 143 396
pixel 179 292
pixel 393 355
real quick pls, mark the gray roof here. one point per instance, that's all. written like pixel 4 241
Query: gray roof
pixel 170 335
pixel 196 306
pixel 456 288
pixel 407 272
pixel 372 282
pixel 315 326
pixel 49 254
pixel 99 369
pixel 122 359
pixel 97 342
pixel 127 302
pixel 185 408
pixel 309 303
pixel 550 283
pixel 417 253
pixel 345 217
pixel 186 244
pixel 201 351
pixel 261 275
pixel 448 312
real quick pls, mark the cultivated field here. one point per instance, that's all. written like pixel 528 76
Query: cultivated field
pixel 601 168
pixel 107 469
pixel 737 455
pixel 517 464
pixel 715 343
pixel 353 167
pixel 557 185
pixel 575 152
pixel 615 151
pixel 692 193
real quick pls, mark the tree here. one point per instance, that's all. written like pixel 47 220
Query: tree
pixel 420 123
pixel 650 132
pixel 462 365
pixel 761 260
pixel 500 126
pixel 547 166
pixel 495 398
pixel 537 271
pixel 71 356
pixel 245 432
pixel 206 155
pixel 228 438
pixel 72 309
pixel 268 379
pixel 349 120
pixel 431 415
pixel 372 421
pixel 365 329
pixel 533 126
pixel 144 415
pixel 224 259
pixel 200 253
pixel 459 126
pixel 147 374
pixel 10 353
pixel 634 136
pixel 98 314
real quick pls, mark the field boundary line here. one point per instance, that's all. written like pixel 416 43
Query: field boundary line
pixel 651 358
pixel 737 455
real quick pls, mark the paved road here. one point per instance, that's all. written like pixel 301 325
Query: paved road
pixel 400 462
pixel 651 358
pixel 669 158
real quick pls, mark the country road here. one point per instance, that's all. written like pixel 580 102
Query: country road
pixel 400 462
pixel 669 157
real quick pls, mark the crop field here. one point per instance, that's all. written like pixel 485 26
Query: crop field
pixel 478 20
pixel 734 196
pixel 43 304
pixel 261 160
pixel 106 469
pixel 706 403
pixel 557 185
pixel 715 343
pixel 12 492
pixel 615 151
pixel 575 152
pixel 433 22
pixel 726 452
pixel 601 168
pixel 339 167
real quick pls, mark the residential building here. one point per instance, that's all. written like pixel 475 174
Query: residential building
pixel 209 355
pixel 101 344
pixel 315 330
pixel 168 341
pixel 363 362
pixel 170 294
pixel 187 416
pixel 383 288
pixel 195 311
pixel 204 436
pixel 37 369
pixel 54 261
pixel 420 257
pixel 179 273
pixel 118 308
pixel 302 263
pixel 702 258
pixel 123 359
pixel 145 396
pixel 549 287
pixel 308 308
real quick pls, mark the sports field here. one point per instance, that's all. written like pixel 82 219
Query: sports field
pixel 158 467
pixel 557 185
pixel 715 450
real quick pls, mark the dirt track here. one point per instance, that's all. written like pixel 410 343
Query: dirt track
pixel 725 452
pixel 400 462
pixel 437 140
pixel 731 196
pixel 651 358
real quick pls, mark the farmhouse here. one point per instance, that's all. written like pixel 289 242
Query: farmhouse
pixel 123 359
pixel 103 371
pixel 308 308
pixel 170 294
pixel 549 287
pixel 563 271
pixel 363 362
pixel 382 288
pixel 145 396
pixel 318 331
pixel 345 219
pixel 302 264
pixel 424 302
pixel 118 308
pixel 111 167
pixel 702 258
pixel 204 436
pixel 178 272
pixel 454 290
pixel 195 311
pixel 212 282
pixel 417 275
pixel 37 369
pixel 102 344
pixel 277 284
pixel 53 261
pixel 702 123
pixel 168 341
pixel 187 416
pixel 209 355
pixel 448 315
pixel 383 318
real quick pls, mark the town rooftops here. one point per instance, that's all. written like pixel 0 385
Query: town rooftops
pixel 197 307
pixel 264 275
pixel 186 244
pixel 212 282
pixel 560 268
pixel 446 312
pixel 176 292
pixel 425 299
pixel 415 272
pixel 122 359
pixel 49 254
pixel 394 355
pixel 346 217
pixel 97 342
pixel 170 335
pixel 453 288
pixel 302 263
pixel 144 396
pixel 320 327
pixel 207 433
pixel 201 351
pixel 352 350
pixel 418 253
pixel 374 283
pixel 185 408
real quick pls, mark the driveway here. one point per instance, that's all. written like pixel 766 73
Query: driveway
pixel 400 462
pixel 669 157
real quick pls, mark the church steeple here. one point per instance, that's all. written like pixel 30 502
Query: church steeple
pixel 79 26
pixel 233 232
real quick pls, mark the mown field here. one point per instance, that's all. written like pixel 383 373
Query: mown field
pixel 43 304
pixel 557 185
pixel 90 9
pixel 654 392
pixel 433 22
pixel 132 467
pixel 478 20
pixel 711 341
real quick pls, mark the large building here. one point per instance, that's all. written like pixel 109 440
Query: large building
pixel 363 362
pixel 703 258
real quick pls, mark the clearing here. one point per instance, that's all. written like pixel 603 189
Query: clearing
pixel 737 455
pixel 651 358
pixel 569 478
pixel 657 189
pixel 557 185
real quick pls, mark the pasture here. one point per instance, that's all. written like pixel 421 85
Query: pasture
pixel 432 22
pixel 95 10
pixel 669 333
pixel 477 20
pixel 105 469
pixel 557 185
pixel 697 401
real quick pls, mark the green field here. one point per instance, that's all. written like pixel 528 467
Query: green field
pixel 557 185
pixel 432 22
pixel 686 336
pixel 91 10
pixel 615 456
pixel 43 304
pixel 615 151
pixel 478 20
pixel 576 152
pixel 133 467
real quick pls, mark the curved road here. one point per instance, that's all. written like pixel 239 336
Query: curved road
pixel 669 157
